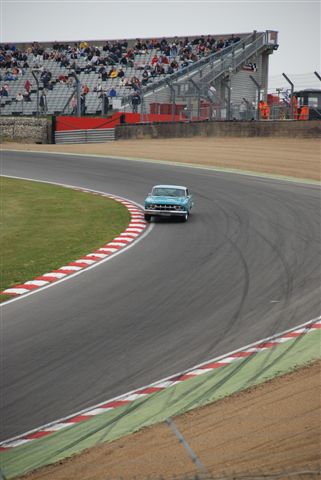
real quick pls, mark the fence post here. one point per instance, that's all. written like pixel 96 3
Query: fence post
pixel 292 90
pixel 33 71
pixel 258 96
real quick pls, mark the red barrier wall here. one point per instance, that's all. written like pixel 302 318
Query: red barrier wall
pixel 64 123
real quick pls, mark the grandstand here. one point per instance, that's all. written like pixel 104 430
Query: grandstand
pixel 199 77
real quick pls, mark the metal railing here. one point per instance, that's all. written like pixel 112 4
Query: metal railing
pixel 217 63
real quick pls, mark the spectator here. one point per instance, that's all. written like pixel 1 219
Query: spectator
pixel 19 97
pixel 27 97
pixel 112 93
pixel 5 90
pixel 121 73
pixel 85 89
pixel 62 78
pixel 104 102
pixel 83 104
pixel 155 60
pixel 73 104
pixel 27 86
pixel 135 102
pixel 43 102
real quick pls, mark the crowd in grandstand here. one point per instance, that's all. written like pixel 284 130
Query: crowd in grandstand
pixel 109 61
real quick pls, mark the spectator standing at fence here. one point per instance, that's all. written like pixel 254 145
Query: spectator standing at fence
pixel 104 102
pixel 135 102
pixel 73 105
pixel 43 102
pixel 83 104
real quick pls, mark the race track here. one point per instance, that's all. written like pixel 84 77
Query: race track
pixel 246 265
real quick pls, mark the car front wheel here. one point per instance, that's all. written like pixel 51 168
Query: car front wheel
pixel 147 217
pixel 185 217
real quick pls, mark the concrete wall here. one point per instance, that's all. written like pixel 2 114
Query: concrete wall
pixel 308 129
pixel 25 129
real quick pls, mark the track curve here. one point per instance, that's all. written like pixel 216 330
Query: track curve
pixel 245 266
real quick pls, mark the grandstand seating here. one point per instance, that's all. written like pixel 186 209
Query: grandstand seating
pixel 58 96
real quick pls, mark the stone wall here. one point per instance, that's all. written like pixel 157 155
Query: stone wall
pixel 305 129
pixel 25 129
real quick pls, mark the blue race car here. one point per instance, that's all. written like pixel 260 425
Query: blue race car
pixel 168 201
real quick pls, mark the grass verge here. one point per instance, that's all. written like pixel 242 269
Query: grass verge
pixel 170 402
pixel 45 226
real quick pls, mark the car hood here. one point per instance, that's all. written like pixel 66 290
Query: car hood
pixel 166 200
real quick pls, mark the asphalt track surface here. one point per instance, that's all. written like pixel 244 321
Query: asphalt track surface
pixel 245 266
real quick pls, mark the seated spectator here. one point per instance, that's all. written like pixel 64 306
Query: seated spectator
pixel 121 73
pixel 155 60
pixel 27 86
pixel 98 88
pixel 62 78
pixel 85 89
pixel 5 90
pixel 19 97
pixel 114 73
pixel 104 75
pixel 165 60
pixel 112 93
pixel 9 77
pixel 27 97
pixel 160 69
pixel 174 64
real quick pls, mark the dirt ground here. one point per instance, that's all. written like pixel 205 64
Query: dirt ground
pixel 274 426
pixel 280 156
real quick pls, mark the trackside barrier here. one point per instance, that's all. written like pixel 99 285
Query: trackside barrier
pixel 85 136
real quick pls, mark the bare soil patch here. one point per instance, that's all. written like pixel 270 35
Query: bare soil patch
pixel 294 157
pixel 272 427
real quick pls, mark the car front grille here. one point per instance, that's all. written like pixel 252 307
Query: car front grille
pixel 165 207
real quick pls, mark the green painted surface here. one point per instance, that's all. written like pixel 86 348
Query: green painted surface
pixel 155 408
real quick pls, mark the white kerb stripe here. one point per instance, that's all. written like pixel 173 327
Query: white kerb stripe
pixel 117 244
pixel 85 260
pixel 97 411
pixel 54 274
pixel 70 267
pixel 16 443
pixel 18 291
pixel 39 283
pixel 128 234
pixel 56 427
pixel 123 239
pixel 108 249
pixel 135 396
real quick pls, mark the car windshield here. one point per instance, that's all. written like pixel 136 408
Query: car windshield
pixel 168 192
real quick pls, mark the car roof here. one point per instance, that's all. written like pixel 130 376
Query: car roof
pixel 170 186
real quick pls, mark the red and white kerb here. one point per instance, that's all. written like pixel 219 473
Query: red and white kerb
pixel 143 392
pixel 135 228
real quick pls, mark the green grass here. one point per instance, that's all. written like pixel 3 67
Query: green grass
pixel 44 226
